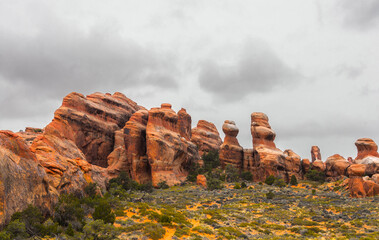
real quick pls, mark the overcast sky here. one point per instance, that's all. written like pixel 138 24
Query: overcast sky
pixel 311 66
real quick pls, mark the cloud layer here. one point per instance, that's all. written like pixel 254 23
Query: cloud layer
pixel 257 69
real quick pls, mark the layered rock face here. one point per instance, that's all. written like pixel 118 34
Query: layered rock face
pixel 22 180
pixel 90 122
pixel 168 152
pixel 131 154
pixel 206 137
pixel 267 159
pixel 231 153
pixel 315 153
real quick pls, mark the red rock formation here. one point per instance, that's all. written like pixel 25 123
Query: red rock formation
pixel 292 163
pixel 22 179
pixel 318 165
pixel 131 154
pixel 206 137
pixel 315 152
pixel 184 122
pixel 367 151
pixel 356 170
pixel 336 166
pixel 375 178
pixel 201 180
pixel 361 188
pixel 90 122
pixel 168 152
pixel 268 160
pixel 30 134
pixel 248 160
pixel 231 153
pixel 306 165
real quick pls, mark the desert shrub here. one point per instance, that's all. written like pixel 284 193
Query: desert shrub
pixel 237 186
pixel 17 230
pixel 4 235
pixel 247 176
pixel 279 182
pixel 182 231
pixel 69 211
pixel 100 231
pixel 203 229
pixel 104 212
pixel 51 228
pixel 270 180
pixel 313 191
pixel 243 185
pixel 194 170
pixel 91 190
pixel 270 195
pixel 303 222
pixel 145 187
pixel 127 183
pixel 231 173
pixel 32 218
pixel 211 160
pixel 315 175
pixel 163 185
pixel 214 183
pixel 230 233
pixel 154 231
pixel 293 180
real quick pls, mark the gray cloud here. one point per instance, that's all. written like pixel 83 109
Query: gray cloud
pixel 360 14
pixel 58 59
pixel 257 69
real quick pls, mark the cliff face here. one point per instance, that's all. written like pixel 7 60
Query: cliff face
pixel 22 180
pixel 169 153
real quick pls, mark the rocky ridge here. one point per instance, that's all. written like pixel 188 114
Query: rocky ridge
pixel 93 138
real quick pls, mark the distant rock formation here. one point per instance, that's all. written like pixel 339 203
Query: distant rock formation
pixel 206 137
pixel 169 153
pixel 336 166
pixel 367 151
pixel 315 153
pixel 231 153
pixel 267 159
pixel 362 188
pixel 292 165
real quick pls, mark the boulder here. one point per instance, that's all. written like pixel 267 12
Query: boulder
pixel 315 153
pixel 318 165
pixel 169 154
pixel 356 170
pixel 362 188
pixel 231 153
pixel 336 166
pixel 206 137
pixel 201 180
pixel 367 151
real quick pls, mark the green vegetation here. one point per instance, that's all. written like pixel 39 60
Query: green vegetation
pixel 316 176
pixel 293 180
pixel 260 211
pixel 270 180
